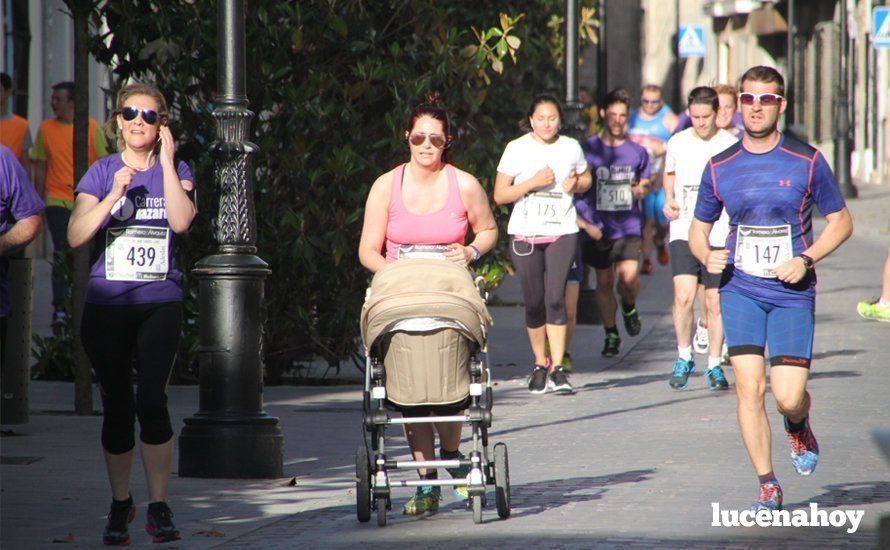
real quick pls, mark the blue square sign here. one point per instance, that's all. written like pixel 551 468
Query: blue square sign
pixel 880 27
pixel 691 41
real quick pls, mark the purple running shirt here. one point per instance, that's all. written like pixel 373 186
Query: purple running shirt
pixel 134 252
pixel 627 162
pixel 18 200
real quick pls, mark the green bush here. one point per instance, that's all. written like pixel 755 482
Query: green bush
pixel 331 84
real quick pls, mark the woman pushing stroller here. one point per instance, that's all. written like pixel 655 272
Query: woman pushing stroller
pixel 427 202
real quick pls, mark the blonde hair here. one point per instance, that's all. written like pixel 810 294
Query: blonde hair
pixel 111 128
pixel 726 89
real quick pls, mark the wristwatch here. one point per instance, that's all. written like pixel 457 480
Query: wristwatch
pixel 807 261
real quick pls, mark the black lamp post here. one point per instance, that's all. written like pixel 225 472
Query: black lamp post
pixel 572 125
pixel 231 436
pixel 842 139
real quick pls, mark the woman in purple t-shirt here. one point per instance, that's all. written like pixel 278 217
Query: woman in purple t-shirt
pixel 130 204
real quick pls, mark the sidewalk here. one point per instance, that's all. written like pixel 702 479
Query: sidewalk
pixel 625 462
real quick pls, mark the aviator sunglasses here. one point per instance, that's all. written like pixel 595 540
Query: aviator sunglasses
pixel 149 116
pixel 436 140
pixel 767 100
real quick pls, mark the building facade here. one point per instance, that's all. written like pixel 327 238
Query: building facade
pixel 801 38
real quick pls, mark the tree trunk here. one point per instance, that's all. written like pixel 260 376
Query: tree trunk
pixel 80 9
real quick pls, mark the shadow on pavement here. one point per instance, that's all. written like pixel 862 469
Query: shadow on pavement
pixel 533 498
pixel 849 495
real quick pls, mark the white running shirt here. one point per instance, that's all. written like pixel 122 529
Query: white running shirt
pixel 687 156
pixel 547 211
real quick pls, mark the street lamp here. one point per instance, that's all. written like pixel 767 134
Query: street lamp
pixel 572 124
pixel 231 436
pixel 842 141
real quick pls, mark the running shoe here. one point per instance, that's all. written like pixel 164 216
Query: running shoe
pixel 566 362
pixel 663 256
pixel 461 472
pixel 804 448
pixel 646 268
pixel 425 500
pixel 537 382
pixel 716 379
pixel 119 517
pixel 682 371
pixel 770 498
pixel 160 523
pixel 613 343
pixel 874 311
pixel 700 340
pixel 559 382
pixel 632 322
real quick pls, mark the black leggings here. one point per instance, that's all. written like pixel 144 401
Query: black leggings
pixel 111 336
pixel 543 270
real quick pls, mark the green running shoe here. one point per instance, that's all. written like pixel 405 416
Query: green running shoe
pixel 425 500
pixel 874 311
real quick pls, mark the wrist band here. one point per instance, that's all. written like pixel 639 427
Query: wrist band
pixel 476 254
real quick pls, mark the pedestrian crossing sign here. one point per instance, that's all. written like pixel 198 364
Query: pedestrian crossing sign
pixel 691 41
pixel 880 29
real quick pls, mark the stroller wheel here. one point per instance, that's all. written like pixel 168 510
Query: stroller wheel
pixel 477 508
pixel 362 485
pixel 381 511
pixel 502 480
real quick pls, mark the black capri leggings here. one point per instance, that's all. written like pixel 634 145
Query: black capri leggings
pixel 543 270
pixel 111 336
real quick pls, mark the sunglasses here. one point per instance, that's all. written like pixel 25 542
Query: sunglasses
pixel 767 100
pixel 436 140
pixel 651 101
pixel 149 116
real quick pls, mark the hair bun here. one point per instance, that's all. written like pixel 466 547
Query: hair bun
pixel 435 99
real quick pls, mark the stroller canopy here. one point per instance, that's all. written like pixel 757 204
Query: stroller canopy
pixel 423 289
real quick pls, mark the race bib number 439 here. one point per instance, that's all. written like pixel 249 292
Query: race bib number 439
pixel 136 253
pixel 759 249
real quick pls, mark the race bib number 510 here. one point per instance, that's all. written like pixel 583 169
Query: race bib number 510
pixel 136 253
pixel 613 195
pixel 759 249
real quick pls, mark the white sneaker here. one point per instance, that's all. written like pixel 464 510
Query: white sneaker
pixel 700 340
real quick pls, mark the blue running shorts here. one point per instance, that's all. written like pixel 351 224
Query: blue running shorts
pixel 751 325
pixel 653 204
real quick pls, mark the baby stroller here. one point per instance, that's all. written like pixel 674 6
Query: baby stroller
pixel 425 326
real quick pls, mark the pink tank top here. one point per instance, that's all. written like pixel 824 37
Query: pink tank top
pixel 447 225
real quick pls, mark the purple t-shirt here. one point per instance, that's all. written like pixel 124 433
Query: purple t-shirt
pixel 626 162
pixel 134 252
pixel 18 200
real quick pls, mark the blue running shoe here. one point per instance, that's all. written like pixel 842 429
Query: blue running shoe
pixel 804 448
pixel 716 379
pixel 770 498
pixel 682 371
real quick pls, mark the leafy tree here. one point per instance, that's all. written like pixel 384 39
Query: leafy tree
pixel 332 83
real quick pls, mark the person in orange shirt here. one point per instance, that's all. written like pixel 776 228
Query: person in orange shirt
pixel 14 132
pixel 53 155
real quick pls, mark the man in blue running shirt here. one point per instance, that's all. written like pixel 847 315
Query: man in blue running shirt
pixel 769 184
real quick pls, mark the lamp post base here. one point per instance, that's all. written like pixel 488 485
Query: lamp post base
pixel 243 449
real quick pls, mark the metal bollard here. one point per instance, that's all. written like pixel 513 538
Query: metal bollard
pixel 15 367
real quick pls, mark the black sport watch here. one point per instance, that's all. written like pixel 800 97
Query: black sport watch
pixel 807 261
